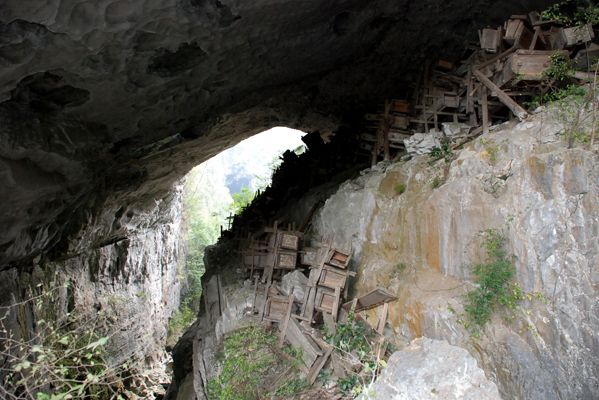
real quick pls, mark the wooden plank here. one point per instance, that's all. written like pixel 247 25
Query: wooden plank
pixel 296 338
pixel 370 300
pixel 490 40
pixel 577 35
pixel 485 109
pixel 313 374
pixel 382 319
pixel 263 309
pixel 332 279
pixel 335 310
pixel 385 128
pixel 518 111
pixel 286 318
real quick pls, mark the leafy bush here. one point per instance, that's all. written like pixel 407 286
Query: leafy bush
pixel 62 359
pixel 494 281
pixel 560 67
pixel 400 188
pixel 444 152
pixel 241 200
pixel 572 13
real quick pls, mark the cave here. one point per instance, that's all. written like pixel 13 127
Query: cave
pixel 105 106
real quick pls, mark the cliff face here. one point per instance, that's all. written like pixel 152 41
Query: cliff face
pixel 120 98
pixel 520 179
pixel 133 278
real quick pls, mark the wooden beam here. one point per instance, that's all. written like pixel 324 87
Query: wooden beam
pixel 380 329
pixel 286 318
pixel 485 109
pixel 518 111
pixel 318 365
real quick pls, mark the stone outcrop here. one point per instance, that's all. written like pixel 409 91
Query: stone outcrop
pixel 431 370
pixel 133 280
pixel 523 180
pixel 119 98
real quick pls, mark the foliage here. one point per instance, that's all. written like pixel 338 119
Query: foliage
pixel 399 268
pixel 560 67
pixel 203 214
pixel 572 13
pixel 241 200
pixel 180 321
pixel 62 359
pixel 444 152
pixel 353 339
pixel 291 387
pixel 346 385
pixel 248 359
pixel 400 188
pixel 436 182
pixel 570 91
pixel 494 282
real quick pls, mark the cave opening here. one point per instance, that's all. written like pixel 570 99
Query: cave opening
pixel 215 192
pixel 90 170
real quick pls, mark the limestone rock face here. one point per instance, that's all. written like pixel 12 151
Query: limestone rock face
pixel 520 179
pixel 432 369
pixel 132 279
pixel 117 99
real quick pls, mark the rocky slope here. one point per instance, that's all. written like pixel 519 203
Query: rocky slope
pixel 520 179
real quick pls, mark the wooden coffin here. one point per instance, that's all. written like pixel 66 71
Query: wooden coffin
pixel 445 65
pixel 524 65
pixel 338 259
pixel 310 350
pixel 325 300
pixel 275 309
pixel 288 240
pixel 577 35
pixel 332 279
pixel 451 100
pixel 400 106
pixel 286 260
pixel 490 40
pixel 398 121
pixel 254 260
pixel 516 33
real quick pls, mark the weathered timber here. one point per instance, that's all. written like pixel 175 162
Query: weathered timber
pixel 370 300
pixel 518 111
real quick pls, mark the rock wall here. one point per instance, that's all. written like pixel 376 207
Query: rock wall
pixel 124 97
pixel 133 276
pixel 523 180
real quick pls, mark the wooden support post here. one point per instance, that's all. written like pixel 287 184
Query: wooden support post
pixel 533 42
pixel 518 111
pixel 318 365
pixel 336 303
pixel 285 322
pixel 380 329
pixel 255 294
pixel 485 109
pixel 386 125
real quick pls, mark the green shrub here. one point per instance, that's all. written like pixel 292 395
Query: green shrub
pixel 64 358
pixel 572 13
pixel 400 188
pixel 560 67
pixel 444 152
pixel 494 281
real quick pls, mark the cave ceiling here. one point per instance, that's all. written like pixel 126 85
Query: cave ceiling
pixel 106 103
